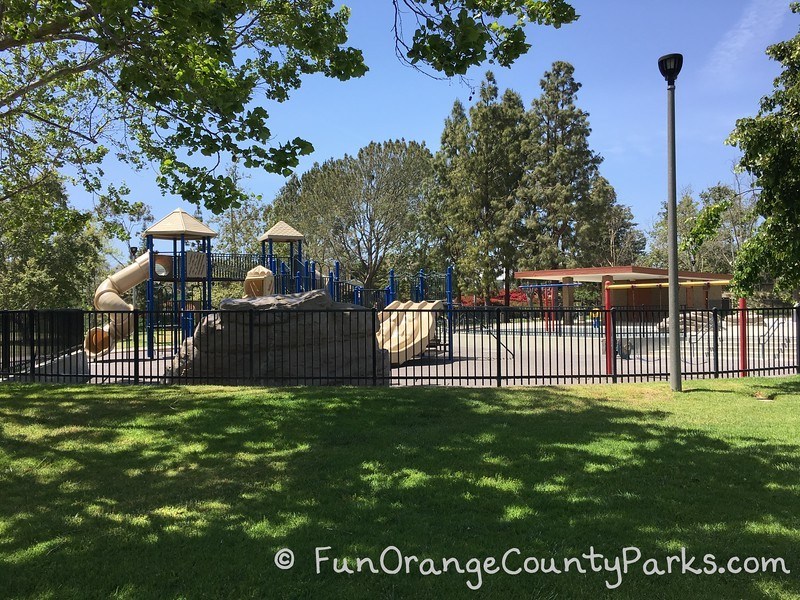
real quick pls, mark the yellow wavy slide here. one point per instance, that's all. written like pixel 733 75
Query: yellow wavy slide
pixel 406 328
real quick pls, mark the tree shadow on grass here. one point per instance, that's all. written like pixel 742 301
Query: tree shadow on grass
pixel 190 493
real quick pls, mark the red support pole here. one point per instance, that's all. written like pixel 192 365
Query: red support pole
pixel 742 337
pixel 609 346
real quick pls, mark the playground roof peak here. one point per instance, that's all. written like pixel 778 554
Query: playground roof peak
pixel 180 223
pixel 628 273
pixel 281 232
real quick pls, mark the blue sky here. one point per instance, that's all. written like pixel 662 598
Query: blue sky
pixel 614 47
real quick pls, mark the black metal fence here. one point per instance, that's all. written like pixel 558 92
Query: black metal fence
pixel 27 336
pixel 362 346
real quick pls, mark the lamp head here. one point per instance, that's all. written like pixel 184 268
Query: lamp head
pixel 670 65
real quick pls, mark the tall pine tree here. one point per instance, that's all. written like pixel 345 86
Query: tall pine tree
pixel 557 185
pixel 477 173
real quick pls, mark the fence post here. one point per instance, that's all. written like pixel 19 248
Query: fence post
pixel 797 337
pixel 449 292
pixel 135 346
pixel 715 331
pixel 742 337
pixel 250 348
pixel 32 345
pixel 375 348
pixel 498 349
pixel 613 337
pixel 609 329
pixel 6 352
pixel 337 288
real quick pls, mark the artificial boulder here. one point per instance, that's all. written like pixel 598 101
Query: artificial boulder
pixel 292 339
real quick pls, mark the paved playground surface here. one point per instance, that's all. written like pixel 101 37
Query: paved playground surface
pixel 530 354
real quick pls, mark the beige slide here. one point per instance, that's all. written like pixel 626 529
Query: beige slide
pixel 108 297
pixel 406 328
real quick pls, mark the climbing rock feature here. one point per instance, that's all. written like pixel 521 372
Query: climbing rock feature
pixel 292 339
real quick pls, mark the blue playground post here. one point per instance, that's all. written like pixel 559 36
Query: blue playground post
pixel 449 294
pixel 175 308
pixel 186 316
pixel 284 276
pixel 271 258
pixel 313 274
pixel 210 268
pixel 306 279
pixel 330 284
pixel 357 295
pixel 421 286
pixel 150 296
pixel 337 288
pixel 392 288
pixel 298 283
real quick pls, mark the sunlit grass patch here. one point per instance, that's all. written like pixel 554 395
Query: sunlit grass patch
pixel 151 492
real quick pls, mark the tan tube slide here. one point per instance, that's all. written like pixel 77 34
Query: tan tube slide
pixel 406 328
pixel 108 297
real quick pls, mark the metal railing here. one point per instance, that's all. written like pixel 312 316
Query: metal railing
pixel 367 346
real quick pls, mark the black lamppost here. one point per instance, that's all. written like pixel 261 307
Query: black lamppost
pixel 670 65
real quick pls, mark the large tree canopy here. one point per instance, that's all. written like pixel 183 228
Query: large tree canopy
pixel 472 207
pixel 770 144
pixel 51 253
pixel 181 82
pixel 362 209
pixel 521 189
pixel 561 169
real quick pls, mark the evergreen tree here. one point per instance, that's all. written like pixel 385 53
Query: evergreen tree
pixel 477 174
pixel 557 185
pixel 606 233
pixel 443 225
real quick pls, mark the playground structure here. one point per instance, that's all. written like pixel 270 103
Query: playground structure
pixel 180 280
pixel 432 344
pixel 426 338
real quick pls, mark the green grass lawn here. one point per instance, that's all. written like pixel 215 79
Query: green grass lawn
pixel 150 492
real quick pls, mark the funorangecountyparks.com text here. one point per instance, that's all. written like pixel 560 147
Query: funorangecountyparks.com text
pixel 515 562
